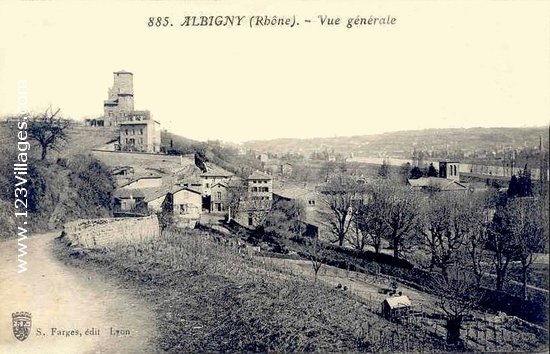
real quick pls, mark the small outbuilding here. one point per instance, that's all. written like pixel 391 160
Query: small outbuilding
pixel 395 307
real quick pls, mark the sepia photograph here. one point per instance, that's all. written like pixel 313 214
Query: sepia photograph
pixel 238 176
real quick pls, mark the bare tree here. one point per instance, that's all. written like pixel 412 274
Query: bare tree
pixel 527 234
pixel 236 192
pixel 316 252
pixel 49 129
pixel 340 196
pixel 476 255
pixel 448 220
pixel 501 240
pixel 457 297
pixel 370 219
pixel 401 213
pixel 285 218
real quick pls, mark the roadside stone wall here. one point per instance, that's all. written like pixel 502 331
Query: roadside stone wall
pixel 99 233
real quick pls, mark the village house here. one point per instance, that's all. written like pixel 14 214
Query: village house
pixel 257 202
pixel 186 206
pixel 285 169
pixel 263 158
pixel 140 133
pixel 260 186
pixel 155 199
pixel 125 200
pixel 309 198
pixel 212 176
pixel 219 198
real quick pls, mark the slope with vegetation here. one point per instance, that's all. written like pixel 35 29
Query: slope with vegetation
pixel 212 298
pixel 63 181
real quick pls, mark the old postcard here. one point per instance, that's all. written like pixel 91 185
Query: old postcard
pixel 274 176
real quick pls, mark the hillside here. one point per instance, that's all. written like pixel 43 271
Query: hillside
pixel 402 143
pixel 68 184
pixel 212 298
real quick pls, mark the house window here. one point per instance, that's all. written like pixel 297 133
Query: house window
pixel 141 131
pixel 250 219
pixel 141 140
pixel 208 185
pixel 133 132
pixel 219 194
pixel 126 131
pixel 254 189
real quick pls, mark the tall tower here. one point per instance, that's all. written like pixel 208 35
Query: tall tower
pixel 120 100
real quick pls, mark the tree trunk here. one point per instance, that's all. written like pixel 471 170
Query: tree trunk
pixel 453 330
pixel 341 240
pixel 499 280
pixel 524 281
pixel 395 246
pixel 44 151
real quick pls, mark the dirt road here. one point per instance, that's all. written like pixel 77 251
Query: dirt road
pixel 73 311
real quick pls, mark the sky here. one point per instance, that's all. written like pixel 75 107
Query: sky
pixel 444 64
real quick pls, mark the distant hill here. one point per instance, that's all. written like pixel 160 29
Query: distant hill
pixel 402 143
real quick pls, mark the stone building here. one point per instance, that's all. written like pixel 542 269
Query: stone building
pixel 257 202
pixel 260 186
pixel 138 131
pixel 140 134
pixel 449 170
pixel 120 101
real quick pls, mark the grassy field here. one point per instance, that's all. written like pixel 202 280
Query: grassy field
pixel 211 298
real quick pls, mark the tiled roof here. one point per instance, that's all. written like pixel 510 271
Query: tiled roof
pixel 215 171
pixel 139 178
pixel 294 192
pixel 436 182
pixel 179 189
pixel 155 192
pixel 128 193
pixel 259 175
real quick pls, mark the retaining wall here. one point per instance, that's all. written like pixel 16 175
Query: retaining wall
pixel 98 233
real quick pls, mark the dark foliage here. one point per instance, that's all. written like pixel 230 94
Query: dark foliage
pixel 432 172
